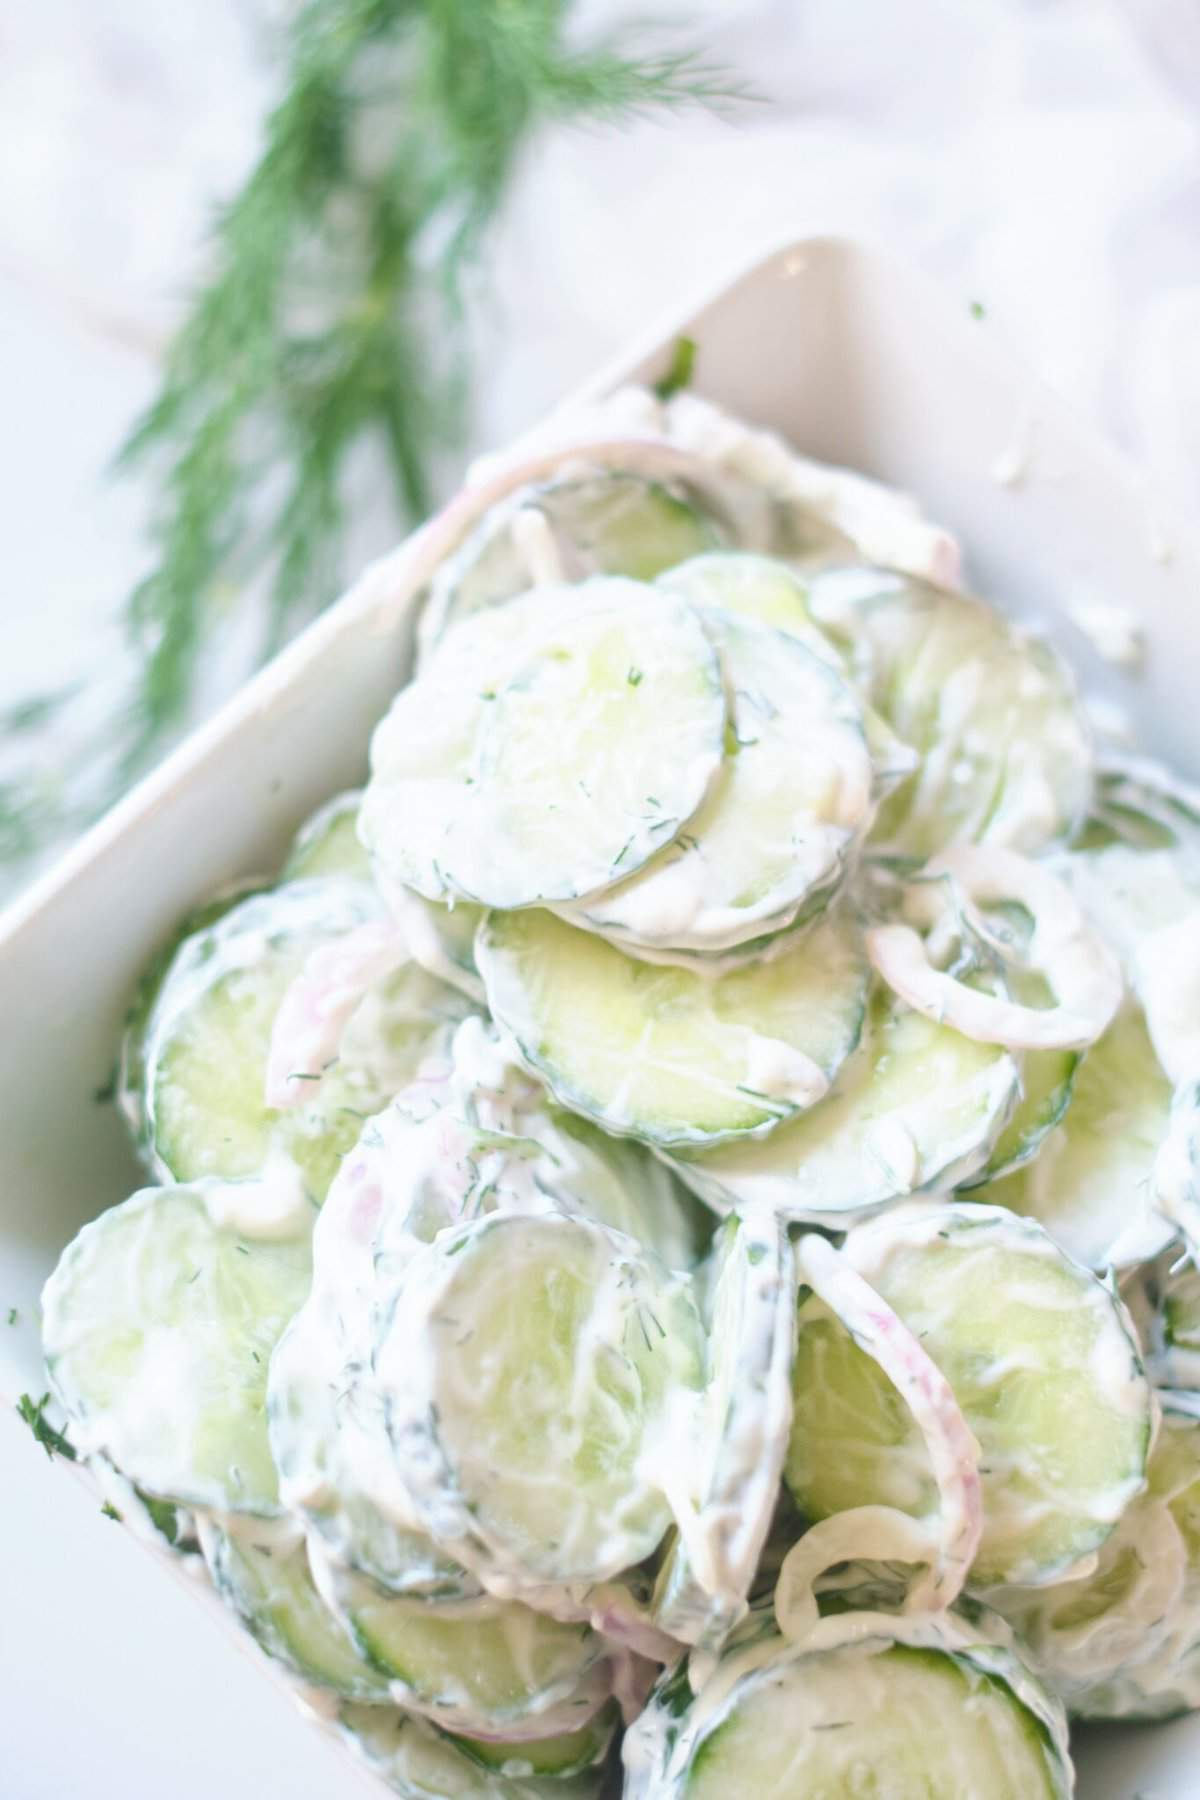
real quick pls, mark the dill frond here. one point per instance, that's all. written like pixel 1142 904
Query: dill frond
pixel 332 318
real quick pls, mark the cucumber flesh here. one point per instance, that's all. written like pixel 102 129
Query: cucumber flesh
pixel 569 1754
pixel 209 1038
pixel 328 843
pixel 776 594
pixel 158 1327
pixel 667 1055
pixel 529 1363
pixel 548 749
pixel 1100 1641
pixel 482 1666
pixel 771 841
pixel 1091 1184
pixel 725 1477
pixel 909 1708
pixel 419 1762
pixel 606 523
pixel 1041 1359
pixel 266 1581
pixel 1006 753
pixel 915 1106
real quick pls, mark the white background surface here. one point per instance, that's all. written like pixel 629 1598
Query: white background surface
pixel 1040 156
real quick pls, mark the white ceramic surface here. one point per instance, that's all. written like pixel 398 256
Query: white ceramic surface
pixel 856 360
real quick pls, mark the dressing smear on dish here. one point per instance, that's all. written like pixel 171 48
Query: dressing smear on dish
pixel 668 1260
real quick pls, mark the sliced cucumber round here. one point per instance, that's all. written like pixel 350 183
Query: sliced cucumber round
pixel 667 1055
pixel 1006 753
pixel 934 1707
pixel 131 1068
pixel 528 1364
pixel 771 842
pixel 752 587
pixel 418 1168
pixel 1047 1082
pixel 915 1106
pixel 266 1581
pixel 571 1754
pixel 481 1666
pixel 548 749
pixel 619 1184
pixel 1091 1185
pixel 419 1762
pixel 158 1327
pixel 328 843
pixel 209 1037
pixel 776 594
pixel 1131 893
pixel 604 522
pixel 723 1480
pixel 1140 1606
pixel 1041 1358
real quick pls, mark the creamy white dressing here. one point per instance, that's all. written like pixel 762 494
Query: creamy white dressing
pixel 367 1397
pixel 272 1207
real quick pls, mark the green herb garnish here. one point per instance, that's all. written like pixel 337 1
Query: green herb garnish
pixel 332 322
pixel 680 369
pixel 53 1441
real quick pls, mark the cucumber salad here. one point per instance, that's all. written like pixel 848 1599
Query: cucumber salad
pixel 670 1256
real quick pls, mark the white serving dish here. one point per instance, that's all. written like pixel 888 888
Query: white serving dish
pixel 856 360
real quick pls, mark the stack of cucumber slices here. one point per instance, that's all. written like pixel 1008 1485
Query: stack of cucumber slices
pixel 670 1260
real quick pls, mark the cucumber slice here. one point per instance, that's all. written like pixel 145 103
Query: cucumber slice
pixel 1139 1608
pixel 723 1479
pixel 1132 894
pixel 1041 1358
pixel 417 1168
pixel 266 1581
pixel 1006 753
pixel 419 1762
pixel 933 1707
pixel 771 841
pixel 549 749
pixel 774 593
pixel 209 1036
pixel 327 844
pixel 528 1363
pixel 158 1326
pixel 916 1106
pixel 570 1754
pixel 131 1067
pixel 752 587
pixel 619 1184
pixel 483 1666
pixel 1047 1082
pixel 610 522
pixel 664 1054
pixel 1091 1186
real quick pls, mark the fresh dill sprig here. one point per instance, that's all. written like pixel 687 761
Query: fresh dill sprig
pixel 53 1441
pixel 333 320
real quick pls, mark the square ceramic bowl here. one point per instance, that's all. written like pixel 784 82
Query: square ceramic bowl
pixel 856 361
